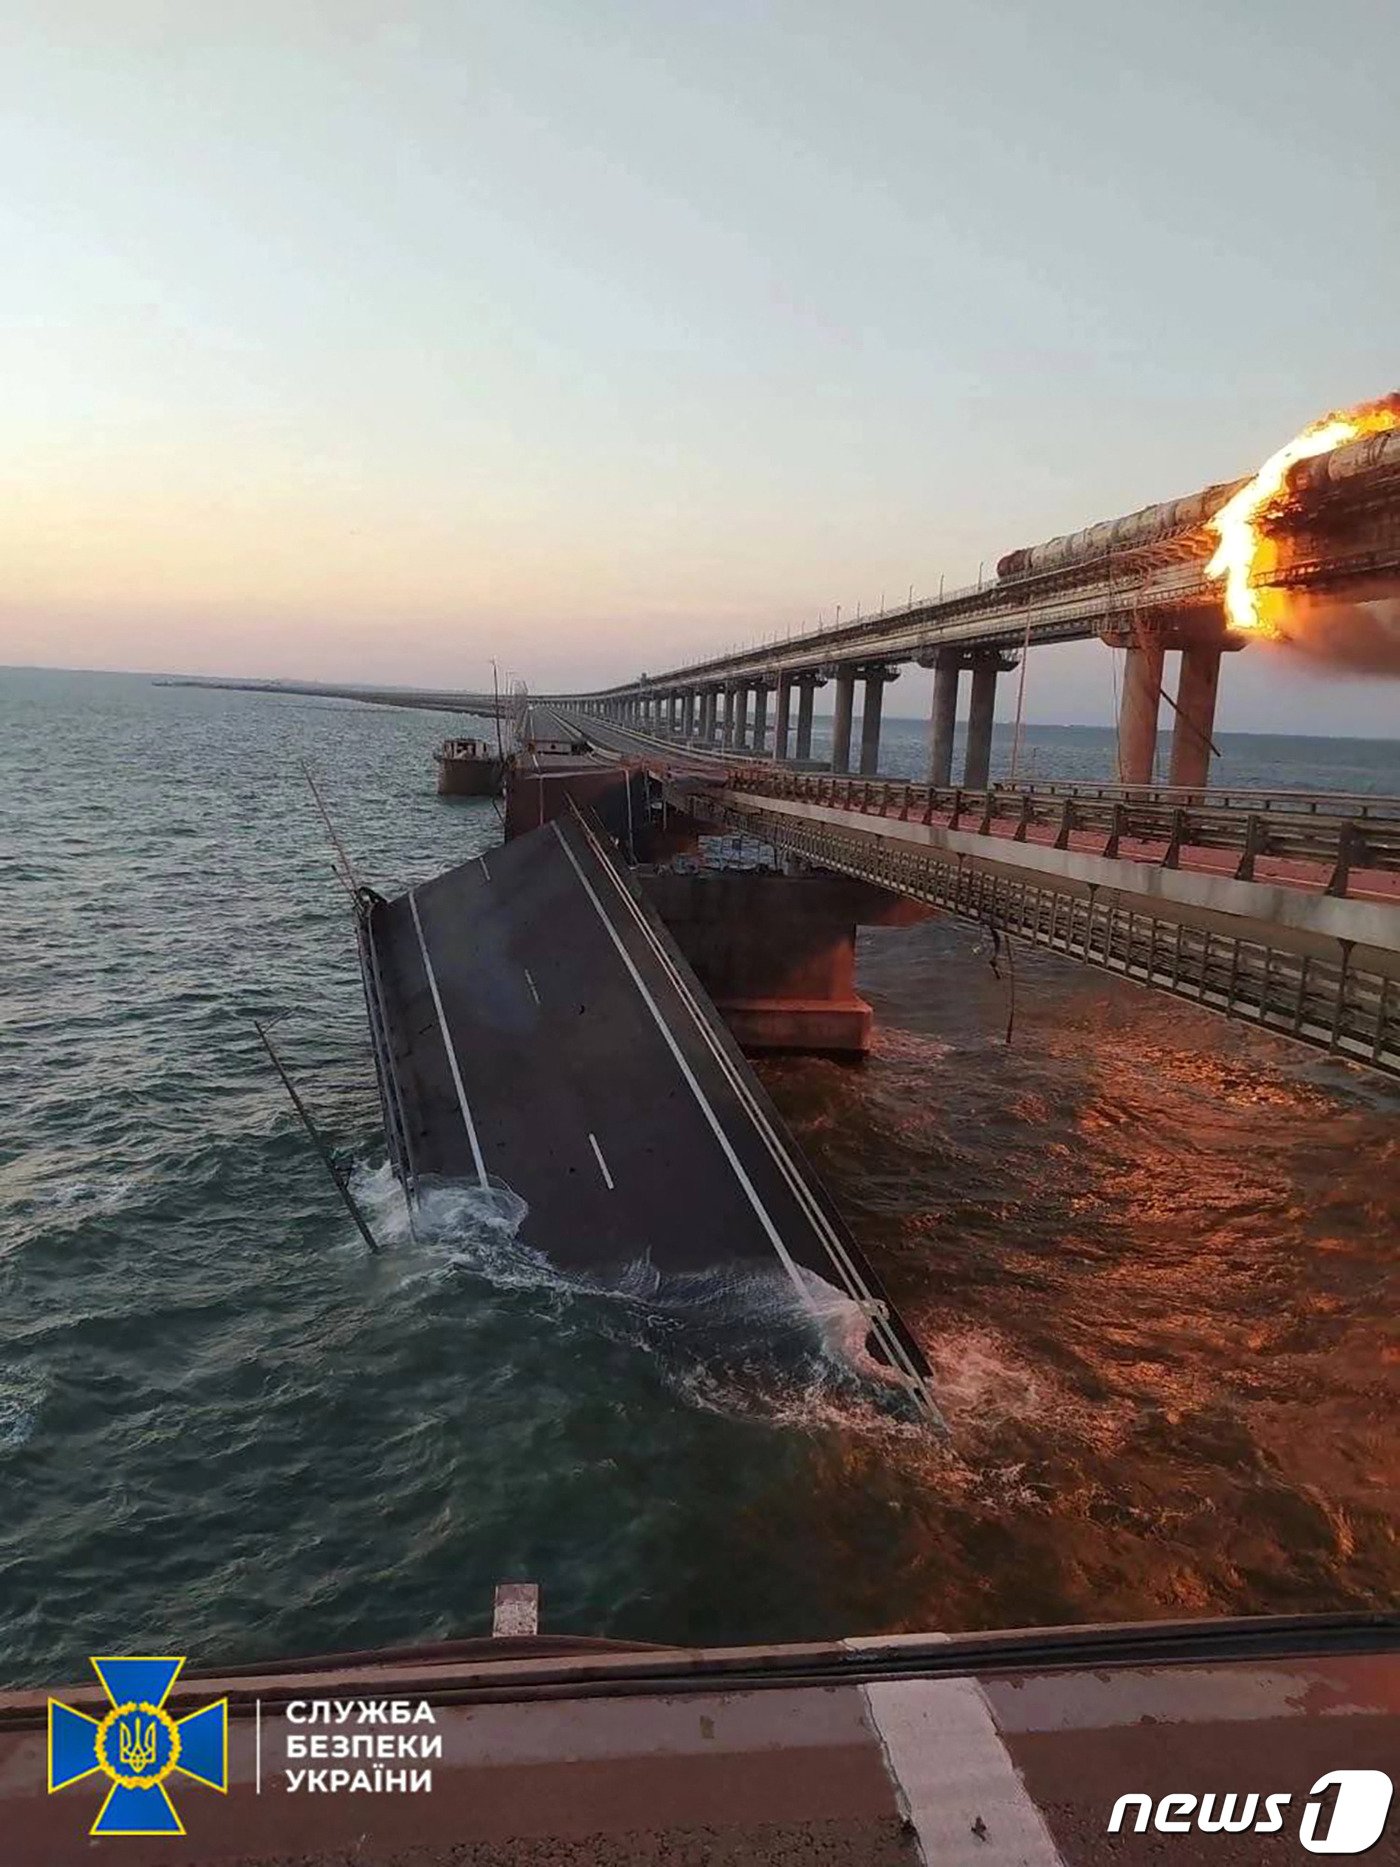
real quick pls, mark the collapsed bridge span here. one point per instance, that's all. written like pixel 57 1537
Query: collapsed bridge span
pixel 537 1029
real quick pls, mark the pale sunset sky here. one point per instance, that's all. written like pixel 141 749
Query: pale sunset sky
pixel 365 342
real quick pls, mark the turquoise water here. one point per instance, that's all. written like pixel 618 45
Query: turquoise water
pixel 1147 1251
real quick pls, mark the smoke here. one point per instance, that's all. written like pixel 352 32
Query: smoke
pixel 1347 637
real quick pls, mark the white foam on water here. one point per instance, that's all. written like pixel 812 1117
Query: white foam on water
pixel 20 1401
pixel 738 1339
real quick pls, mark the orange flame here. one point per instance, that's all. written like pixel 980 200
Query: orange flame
pixel 1236 524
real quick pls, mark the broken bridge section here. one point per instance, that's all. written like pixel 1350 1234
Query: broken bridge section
pixel 536 1026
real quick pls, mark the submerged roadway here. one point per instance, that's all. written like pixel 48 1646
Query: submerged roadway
pixel 543 1034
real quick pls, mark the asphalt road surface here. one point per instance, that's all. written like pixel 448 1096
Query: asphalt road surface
pixel 546 1035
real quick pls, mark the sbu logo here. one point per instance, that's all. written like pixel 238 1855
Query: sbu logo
pixel 1344 1814
pixel 138 1746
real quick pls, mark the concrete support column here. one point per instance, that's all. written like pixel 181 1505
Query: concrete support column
pixel 870 720
pixel 806 693
pixel 1137 714
pixel 943 719
pixel 781 711
pixel 977 765
pixel 688 716
pixel 727 736
pixel 760 718
pixel 1195 715
pixel 741 717
pixel 841 723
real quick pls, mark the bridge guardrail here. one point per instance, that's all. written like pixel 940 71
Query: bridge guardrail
pixel 1368 804
pixel 1337 846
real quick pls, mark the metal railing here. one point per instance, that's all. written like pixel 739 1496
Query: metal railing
pixel 1330 1004
pixel 1158 827
pixel 1232 797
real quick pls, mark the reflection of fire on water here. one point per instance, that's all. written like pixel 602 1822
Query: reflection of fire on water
pixel 1362 635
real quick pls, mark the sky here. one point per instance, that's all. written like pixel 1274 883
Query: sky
pixel 368 342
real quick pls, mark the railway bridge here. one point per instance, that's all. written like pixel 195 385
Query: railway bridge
pixel 1137 583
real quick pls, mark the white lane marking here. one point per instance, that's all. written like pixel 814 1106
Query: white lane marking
pixel 834 1246
pixel 955 1778
pixel 447 1045
pixel 530 982
pixel 602 1164
pixel 765 1219
pixel 484 870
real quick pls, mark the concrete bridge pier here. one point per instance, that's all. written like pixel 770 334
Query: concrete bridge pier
pixel 1194 729
pixel 760 715
pixel 741 718
pixel 727 727
pixel 1138 711
pixel 943 719
pixel 841 721
pixel 807 685
pixel 782 711
pixel 871 708
pixel 688 715
pixel 981 708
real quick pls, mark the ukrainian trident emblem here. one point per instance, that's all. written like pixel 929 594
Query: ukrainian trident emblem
pixel 137 1746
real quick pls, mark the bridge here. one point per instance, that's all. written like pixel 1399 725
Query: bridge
pixel 1280 908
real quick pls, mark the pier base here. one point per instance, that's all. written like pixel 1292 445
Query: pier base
pixel 776 953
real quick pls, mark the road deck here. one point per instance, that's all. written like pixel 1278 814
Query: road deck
pixel 543 1033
